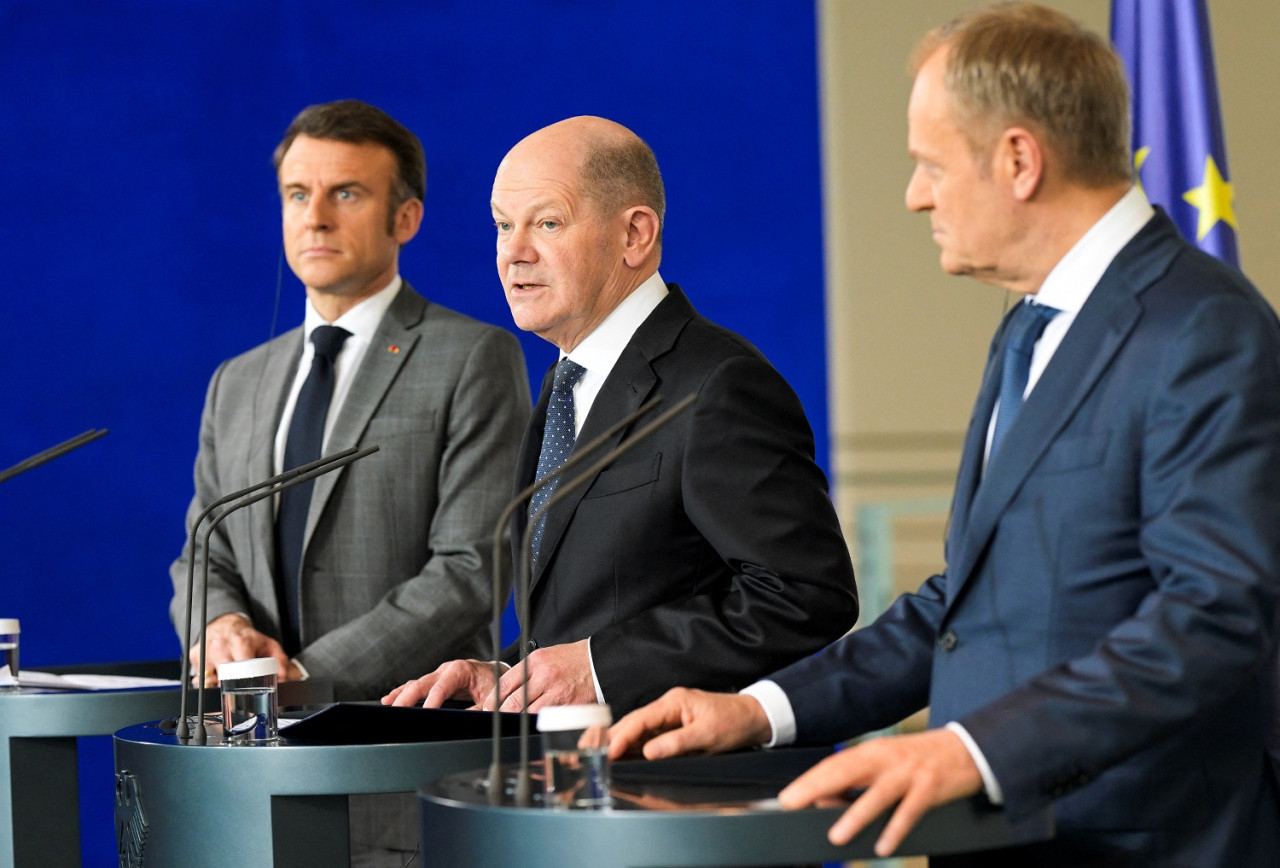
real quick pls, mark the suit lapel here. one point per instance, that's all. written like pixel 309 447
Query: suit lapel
pixel 378 370
pixel 527 462
pixel 628 385
pixel 1099 331
pixel 975 442
pixel 269 401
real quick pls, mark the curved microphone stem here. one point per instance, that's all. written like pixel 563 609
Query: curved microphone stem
pixel 524 569
pixel 183 731
pixel 258 492
pixel 499 532
pixel 51 453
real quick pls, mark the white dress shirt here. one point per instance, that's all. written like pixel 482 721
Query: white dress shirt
pixel 1067 287
pixel 598 352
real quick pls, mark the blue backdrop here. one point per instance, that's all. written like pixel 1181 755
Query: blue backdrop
pixel 142 243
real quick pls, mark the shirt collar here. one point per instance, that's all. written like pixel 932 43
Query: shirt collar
pixel 599 351
pixel 1072 280
pixel 362 320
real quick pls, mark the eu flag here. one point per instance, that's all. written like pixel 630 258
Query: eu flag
pixel 1177 125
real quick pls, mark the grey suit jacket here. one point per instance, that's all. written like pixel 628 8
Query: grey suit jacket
pixel 396 569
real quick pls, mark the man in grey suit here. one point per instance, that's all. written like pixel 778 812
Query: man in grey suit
pixel 394 571
pixel 395 566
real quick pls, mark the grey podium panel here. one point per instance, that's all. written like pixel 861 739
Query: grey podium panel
pixel 39 800
pixel 281 805
pixel 705 811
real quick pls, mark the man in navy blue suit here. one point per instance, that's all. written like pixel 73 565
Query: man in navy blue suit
pixel 1101 641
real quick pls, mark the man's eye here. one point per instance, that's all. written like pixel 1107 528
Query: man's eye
pixel 502 227
pixel 550 224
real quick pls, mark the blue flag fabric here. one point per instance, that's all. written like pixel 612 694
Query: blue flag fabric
pixel 1177 123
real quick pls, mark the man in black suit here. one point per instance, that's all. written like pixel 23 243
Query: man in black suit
pixel 710 554
pixel 1102 640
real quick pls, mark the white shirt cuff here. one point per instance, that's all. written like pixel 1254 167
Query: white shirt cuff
pixel 302 670
pixel 989 783
pixel 595 682
pixel 782 719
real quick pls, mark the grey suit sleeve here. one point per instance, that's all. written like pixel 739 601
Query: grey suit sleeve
pixel 226 585
pixel 432 616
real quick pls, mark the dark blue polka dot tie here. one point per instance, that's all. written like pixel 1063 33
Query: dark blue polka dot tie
pixel 557 440
pixel 1025 328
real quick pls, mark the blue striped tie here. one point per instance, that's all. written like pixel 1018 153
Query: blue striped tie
pixel 1025 328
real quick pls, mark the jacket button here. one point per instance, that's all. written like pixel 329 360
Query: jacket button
pixel 530 646
pixel 948 641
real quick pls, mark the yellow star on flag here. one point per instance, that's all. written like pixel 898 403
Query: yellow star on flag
pixel 1214 198
pixel 1139 158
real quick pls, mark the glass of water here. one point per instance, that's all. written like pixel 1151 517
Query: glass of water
pixel 250 708
pixel 9 632
pixel 575 748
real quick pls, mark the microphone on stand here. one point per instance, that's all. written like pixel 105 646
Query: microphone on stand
pixel 182 727
pixel 182 730
pixel 242 498
pixel 499 556
pixel 524 569
pixel 51 453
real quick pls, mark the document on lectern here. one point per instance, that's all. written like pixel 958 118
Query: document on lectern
pixel 73 681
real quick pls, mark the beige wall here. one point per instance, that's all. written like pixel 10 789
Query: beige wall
pixel 907 343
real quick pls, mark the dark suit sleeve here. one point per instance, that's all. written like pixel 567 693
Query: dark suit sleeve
pixel 750 488
pixel 870 679
pixel 1206 501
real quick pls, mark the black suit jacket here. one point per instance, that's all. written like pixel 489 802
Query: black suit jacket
pixel 708 555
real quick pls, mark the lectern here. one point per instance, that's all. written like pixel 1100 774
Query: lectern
pixel 283 805
pixel 701 811
pixel 39 802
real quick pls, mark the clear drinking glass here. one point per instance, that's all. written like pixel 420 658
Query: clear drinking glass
pixel 575 747
pixel 250 707
pixel 10 630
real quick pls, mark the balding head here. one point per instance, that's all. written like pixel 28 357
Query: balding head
pixel 614 166
pixel 578 207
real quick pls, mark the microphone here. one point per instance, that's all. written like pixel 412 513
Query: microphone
pixel 524 565
pixel 242 498
pixel 279 478
pixel 51 453
pixel 495 626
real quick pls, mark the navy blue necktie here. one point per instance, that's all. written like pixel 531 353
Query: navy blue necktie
pixel 557 440
pixel 1025 329
pixel 306 437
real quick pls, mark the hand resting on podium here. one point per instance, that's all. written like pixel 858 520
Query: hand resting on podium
pixel 558 675
pixel 232 637
pixel 915 772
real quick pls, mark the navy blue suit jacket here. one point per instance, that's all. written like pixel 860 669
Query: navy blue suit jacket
pixel 1105 625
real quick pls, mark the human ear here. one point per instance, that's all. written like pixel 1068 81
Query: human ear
pixel 1021 158
pixel 642 235
pixel 408 219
